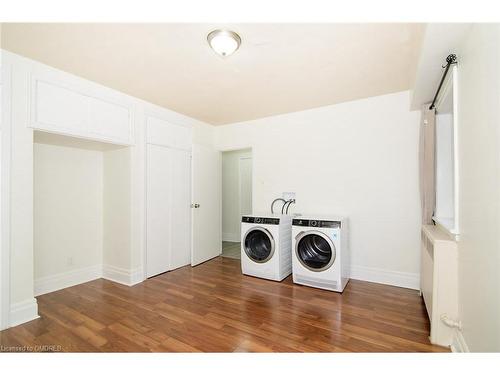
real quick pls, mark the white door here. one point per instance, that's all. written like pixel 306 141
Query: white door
pixel 181 209
pixel 207 240
pixel 168 217
pixel 158 213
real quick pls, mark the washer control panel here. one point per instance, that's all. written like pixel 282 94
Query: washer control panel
pixel 260 220
pixel 316 223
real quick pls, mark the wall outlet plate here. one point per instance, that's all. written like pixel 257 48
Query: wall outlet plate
pixel 287 195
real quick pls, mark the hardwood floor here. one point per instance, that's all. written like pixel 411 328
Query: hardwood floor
pixel 214 308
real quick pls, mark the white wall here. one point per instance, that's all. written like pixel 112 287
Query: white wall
pixel 116 198
pixel 479 186
pixel 358 159
pixel 68 210
pixel 231 196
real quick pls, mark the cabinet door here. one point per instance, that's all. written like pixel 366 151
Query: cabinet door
pixel 64 104
pixel 158 210
pixel 181 208
pixel 109 121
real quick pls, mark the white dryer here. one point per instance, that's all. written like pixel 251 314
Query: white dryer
pixel 320 255
pixel 266 246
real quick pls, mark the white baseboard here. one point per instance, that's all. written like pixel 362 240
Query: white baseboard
pixel 458 344
pixel 22 312
pixel 63 280
pixel 231 237
pixel 382 276
pixel 122 275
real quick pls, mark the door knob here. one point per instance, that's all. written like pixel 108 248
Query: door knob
pixel 195 205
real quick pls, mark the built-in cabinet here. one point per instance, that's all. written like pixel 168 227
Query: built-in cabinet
pixel 168 196
pixel 86 111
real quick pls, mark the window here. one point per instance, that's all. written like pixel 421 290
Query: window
pixel 446 212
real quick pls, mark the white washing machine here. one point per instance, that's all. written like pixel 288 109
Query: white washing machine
pixel 266 246
pixel 320 255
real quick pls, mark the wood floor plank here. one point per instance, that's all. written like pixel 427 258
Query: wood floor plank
pixel 214 308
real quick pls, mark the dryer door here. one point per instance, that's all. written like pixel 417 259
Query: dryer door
pixel 315 250
pixel 258 243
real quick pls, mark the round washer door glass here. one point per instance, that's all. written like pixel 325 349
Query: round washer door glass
pixel 259 245
pixel 315 251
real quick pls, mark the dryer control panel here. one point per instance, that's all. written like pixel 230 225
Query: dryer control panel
pixel 316 223
pixel 260 220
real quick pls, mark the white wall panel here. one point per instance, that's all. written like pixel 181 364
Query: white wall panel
pixel 109 120
pixel 68 209
pixel 58 108
pixel 161 132
pixel 479 184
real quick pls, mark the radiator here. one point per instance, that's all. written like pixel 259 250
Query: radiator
pixel 439 282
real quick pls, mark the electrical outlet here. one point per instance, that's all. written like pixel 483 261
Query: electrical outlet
pixel 287 195
pixel 70 261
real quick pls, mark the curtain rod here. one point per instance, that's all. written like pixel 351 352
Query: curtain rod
pixel 450 60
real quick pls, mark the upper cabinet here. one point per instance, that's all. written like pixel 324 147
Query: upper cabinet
pixel 164 133
pixel 64 104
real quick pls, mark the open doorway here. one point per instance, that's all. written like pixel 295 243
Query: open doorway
pixel 236 198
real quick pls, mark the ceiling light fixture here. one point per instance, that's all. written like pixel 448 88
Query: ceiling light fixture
pixel 224 42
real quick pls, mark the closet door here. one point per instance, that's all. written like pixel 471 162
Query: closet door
pixel 181 208
pixel 158 210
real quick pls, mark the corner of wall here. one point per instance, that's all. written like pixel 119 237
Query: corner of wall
pixel 22 312
pixel 122 275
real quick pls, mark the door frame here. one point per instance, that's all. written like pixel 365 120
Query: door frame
pixel 229 149
pixel 239 181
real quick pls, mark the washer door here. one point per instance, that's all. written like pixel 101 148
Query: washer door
pixel 315 250
pixel 258 244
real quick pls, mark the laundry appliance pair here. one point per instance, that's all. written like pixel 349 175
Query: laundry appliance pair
pixel 313 248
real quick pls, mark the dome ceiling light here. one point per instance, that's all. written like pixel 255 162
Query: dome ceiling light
pixel 224 42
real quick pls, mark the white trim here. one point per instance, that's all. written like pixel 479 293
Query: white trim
pixel 458 344
pixel 451 225
pixel 231 237
pixel 382 276
pixel 123 275
pixel 24 311
pixel 456 156
pixel 248 157
pixel 5 170
pixel 63 280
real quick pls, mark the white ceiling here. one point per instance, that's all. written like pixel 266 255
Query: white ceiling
pixel 279 68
